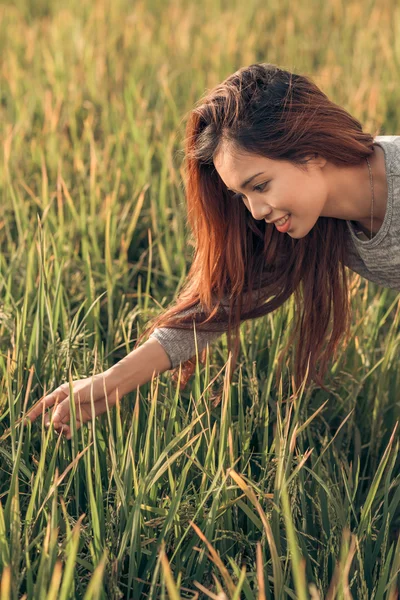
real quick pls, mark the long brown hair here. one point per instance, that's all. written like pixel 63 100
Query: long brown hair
pixel 271 112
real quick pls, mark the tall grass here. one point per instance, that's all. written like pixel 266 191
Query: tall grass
pixel 275 493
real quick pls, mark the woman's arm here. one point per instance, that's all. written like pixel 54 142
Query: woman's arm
pixel 132 371
pixel 137 367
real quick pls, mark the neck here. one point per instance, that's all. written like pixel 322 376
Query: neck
pixel 351 195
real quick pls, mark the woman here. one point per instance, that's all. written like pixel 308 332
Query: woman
pixel 284 190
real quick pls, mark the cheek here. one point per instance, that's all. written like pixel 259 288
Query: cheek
pixel 305 196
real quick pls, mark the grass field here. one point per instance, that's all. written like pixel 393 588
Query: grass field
pixel 167 496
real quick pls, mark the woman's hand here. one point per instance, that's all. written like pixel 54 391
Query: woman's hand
pixel 82 390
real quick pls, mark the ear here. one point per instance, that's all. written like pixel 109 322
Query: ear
pixel 316 160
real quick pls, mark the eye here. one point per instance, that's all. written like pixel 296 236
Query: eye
pixel 257 188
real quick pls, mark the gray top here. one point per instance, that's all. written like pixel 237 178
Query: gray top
pixel 377 260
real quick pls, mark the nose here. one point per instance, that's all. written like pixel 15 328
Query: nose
pixel 260 213
pixel 259 210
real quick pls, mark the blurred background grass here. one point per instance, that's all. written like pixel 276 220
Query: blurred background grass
pixel 94 242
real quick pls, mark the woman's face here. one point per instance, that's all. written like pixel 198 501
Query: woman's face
pixel 278 188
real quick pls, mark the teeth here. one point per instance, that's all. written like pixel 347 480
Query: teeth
pixel 282 221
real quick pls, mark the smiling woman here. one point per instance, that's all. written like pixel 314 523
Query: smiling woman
pixel 263 146
pixel 323 190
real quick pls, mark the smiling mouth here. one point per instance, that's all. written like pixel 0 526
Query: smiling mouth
pixel 282 221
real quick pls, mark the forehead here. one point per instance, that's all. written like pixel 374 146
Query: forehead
pixel 228 161
pixel 234 166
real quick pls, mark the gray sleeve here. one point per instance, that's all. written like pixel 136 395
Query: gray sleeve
pixel 179 344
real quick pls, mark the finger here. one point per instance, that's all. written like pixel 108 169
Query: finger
pixel 46 402
pixel 67 430
pixel 86 415
pixel 62 414
pixel 83 414
pixel 66 422
pixel 62 429
pixel 48 420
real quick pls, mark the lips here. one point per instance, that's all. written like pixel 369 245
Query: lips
pixel 274 222
pixel 282 220
pixel 286 225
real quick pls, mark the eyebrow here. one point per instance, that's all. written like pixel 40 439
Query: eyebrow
pixel 247 181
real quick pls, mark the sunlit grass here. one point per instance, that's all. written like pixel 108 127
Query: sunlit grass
pixel 274 493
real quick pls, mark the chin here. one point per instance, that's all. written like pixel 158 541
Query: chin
pixel 296 236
